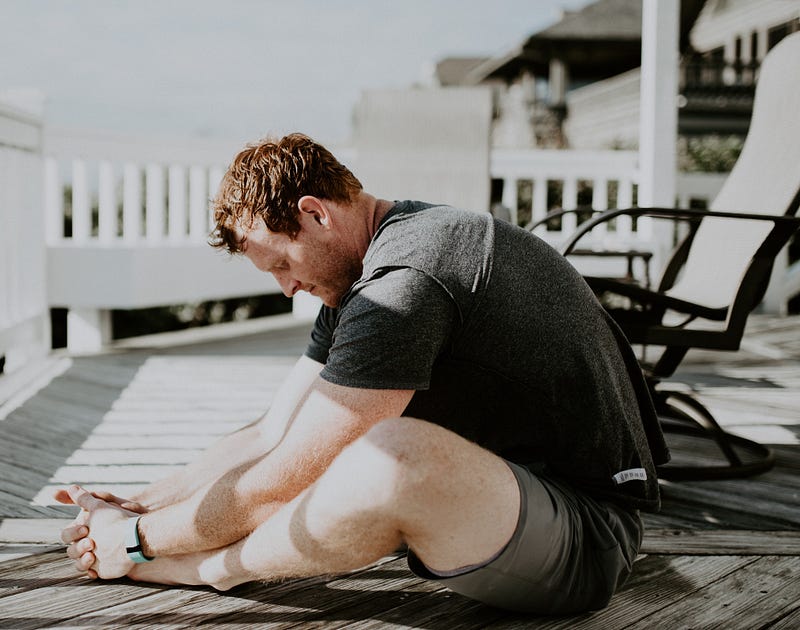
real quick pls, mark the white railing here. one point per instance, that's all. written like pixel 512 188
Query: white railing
pixel 127 222
pixel 127 225
pixel 117 190
pixel 24 315
pixel 537 171
pixel 537 181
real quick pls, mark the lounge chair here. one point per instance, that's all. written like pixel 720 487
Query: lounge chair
pixel 720 271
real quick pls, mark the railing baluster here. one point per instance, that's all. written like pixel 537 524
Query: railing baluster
pixel 81 208
pixel 215 174
pixel 131 202
pixel 198 200
pixel 569 201
pixel 155 202
pixel 540 208
pixel 177 203
pixel 624 200
pixel 510 198
pixel 600 202
pixel 107 219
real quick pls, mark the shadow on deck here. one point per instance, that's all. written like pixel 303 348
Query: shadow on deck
pixel 722 553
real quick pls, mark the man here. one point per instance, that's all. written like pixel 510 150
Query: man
pixel 463 394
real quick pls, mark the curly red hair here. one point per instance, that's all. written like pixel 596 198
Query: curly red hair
pixel 266 180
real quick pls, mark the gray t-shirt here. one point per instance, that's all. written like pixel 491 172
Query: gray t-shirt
pixel 504 343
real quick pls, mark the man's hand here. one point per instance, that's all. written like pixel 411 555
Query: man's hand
pixel 63 496
pixel 97 537
pixel 77 531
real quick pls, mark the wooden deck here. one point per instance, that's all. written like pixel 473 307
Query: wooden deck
pixel 720 554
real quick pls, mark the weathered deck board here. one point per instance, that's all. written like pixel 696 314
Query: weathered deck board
pixel 723 553
pixel 691 542
pixel 752 596
pixel 664 591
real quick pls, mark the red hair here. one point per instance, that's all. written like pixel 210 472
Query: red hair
pixel 267 180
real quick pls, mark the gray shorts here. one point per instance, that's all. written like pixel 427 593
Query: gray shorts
pixel 568 554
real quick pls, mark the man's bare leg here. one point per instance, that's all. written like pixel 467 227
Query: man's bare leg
pixel 453 503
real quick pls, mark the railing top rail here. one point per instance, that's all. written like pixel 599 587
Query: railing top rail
pixel 556 163
pixel 72 143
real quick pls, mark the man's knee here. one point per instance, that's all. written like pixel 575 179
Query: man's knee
pixel 394 454
pixel 403 438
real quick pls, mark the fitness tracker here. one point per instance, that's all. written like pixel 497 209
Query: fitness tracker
pixel 132 543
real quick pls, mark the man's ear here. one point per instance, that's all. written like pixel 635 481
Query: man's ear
pixel 314 208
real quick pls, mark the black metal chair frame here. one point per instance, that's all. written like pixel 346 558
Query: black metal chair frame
pixel 679 411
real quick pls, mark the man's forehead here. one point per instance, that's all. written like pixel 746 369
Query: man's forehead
pixel 244 228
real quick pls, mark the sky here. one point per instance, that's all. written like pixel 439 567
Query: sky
pixel 241 68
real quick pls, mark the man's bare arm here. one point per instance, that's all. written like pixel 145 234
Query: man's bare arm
pixel 326 421
pixel 238 449
pixel 233 451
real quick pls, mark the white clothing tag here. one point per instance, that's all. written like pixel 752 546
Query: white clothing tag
pixel 638 474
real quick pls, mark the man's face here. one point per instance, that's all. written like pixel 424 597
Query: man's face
pixel 315 261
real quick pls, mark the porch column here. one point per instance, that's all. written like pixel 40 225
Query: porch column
pixel 558 79
pixel 88 329
pixel 658 124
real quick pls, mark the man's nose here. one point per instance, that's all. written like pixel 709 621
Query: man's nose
pixel 289 286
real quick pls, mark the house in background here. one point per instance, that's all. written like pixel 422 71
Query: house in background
pixel 531 82
pixel 575 84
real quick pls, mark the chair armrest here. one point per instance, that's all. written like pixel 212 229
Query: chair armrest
pixel 789 223
pixel 554 214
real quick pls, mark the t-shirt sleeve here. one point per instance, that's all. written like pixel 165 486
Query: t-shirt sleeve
pixel 321 335
pixel 390 331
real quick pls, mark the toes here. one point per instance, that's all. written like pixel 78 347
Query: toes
pixel 77 549
pixel 86 561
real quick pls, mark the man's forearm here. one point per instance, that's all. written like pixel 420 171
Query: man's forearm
pixel 214 516
pixel 236 493
pixel 236 449
pixel 222 457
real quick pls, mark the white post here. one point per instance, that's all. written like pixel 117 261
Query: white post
pixel 658 124
pixel 88 329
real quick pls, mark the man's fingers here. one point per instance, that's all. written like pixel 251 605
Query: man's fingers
pixel 62 496
pixel 84 498
pixel 77 549
pixel 73 533
pixel 108 497
pixel 133 506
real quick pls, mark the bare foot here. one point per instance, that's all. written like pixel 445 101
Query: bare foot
pixel 194 569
